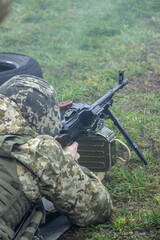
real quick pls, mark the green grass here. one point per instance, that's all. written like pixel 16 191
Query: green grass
pixel 81 46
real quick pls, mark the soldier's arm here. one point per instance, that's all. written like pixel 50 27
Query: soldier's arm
pixel 83 198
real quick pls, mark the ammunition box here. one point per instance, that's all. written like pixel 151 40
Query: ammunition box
pixel 97 150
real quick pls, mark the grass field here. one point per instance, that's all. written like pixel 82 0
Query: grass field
pixel 81 46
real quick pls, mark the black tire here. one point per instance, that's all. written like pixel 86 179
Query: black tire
pixel 12 64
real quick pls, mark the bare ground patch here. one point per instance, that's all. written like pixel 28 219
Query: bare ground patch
pixel 148 84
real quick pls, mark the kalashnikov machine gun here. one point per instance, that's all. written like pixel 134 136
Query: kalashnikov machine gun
pixel 82 119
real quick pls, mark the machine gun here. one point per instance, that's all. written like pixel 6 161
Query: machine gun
pixel 82 118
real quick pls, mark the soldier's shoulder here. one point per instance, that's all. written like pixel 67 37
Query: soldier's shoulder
pixel 48 141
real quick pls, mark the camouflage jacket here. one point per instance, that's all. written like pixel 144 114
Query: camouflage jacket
pixel 44 169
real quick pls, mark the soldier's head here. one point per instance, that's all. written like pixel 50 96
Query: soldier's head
pixel 4 8
pixel 37 102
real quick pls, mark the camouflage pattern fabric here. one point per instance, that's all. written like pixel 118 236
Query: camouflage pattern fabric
pixel 44 169
pixel 37 101
pixel 4 7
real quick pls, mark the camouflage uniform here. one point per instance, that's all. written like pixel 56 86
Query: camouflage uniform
pixel 43 167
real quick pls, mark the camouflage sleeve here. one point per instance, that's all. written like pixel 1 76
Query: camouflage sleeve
pixel 83 198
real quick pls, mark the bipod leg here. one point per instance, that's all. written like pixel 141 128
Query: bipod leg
pixel 127 137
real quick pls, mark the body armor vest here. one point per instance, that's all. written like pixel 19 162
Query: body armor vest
pixel 14 205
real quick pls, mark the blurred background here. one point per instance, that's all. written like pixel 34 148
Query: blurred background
pixel 81 45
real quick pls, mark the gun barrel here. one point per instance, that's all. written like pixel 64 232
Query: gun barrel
pixel 109 94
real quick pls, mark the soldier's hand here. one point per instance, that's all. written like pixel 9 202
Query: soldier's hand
pixel 72 149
